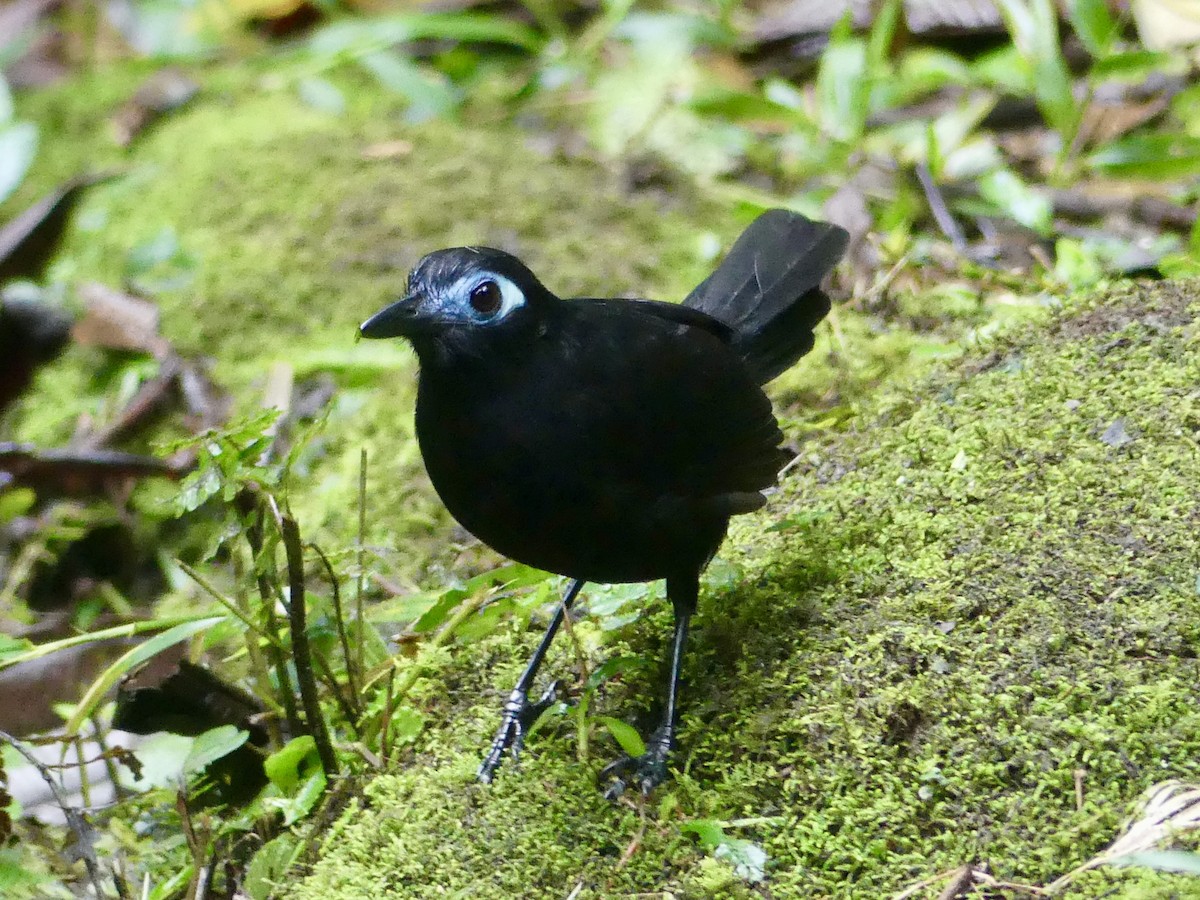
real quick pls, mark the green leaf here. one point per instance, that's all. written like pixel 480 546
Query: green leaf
pixel 610 668
pixel 472 28
pixel 1076 264
pixel 162 757
pixel 165 30
pixel 299 805
pixel 1094 25
pixel 322 94
pixel 13 647
pixel 1150 156
pixel 213 744
pixel 429 94
pixel 131 660
pixel 16 875
pixel 1033 25
pixel 18 145
pixel 440 611
pixel 6 101
pixel 1163 861
pixel 1017 199
pixel 699 146
pixel 1131 63
pixel 406 724
pixel 626 99
pixel 161 248
pixel 709 831
pixel 268 866
pixel 882 34
pixel 16 502
pixel 843 89
pixel 616 605
pixel 748 859
pixel 625 735
pixel 285 766
pixel 117 631
pixel 353 37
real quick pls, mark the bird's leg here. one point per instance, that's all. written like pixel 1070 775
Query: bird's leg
pixel 650 769
pixel 519 714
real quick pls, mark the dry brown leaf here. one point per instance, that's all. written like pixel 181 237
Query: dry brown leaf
pixel 115 320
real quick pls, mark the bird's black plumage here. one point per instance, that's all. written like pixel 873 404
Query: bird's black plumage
pixel 608 440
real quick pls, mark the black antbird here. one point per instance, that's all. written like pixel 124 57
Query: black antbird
pixel 608 440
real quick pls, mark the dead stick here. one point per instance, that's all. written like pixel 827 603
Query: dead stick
pixel 75 820
pixel 941 212
pixel 301 653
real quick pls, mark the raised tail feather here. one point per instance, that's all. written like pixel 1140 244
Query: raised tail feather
pixel 768 288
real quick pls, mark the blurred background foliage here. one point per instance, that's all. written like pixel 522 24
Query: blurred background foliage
pixel 986 158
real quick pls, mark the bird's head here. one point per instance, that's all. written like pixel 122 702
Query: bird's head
pixel 460 292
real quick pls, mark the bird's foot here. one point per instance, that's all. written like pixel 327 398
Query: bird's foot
pixel 519 716
pixel 647 771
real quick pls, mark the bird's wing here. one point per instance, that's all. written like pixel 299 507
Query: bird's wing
pixel 693 422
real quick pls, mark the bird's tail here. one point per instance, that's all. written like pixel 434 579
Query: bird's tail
pixel 767 290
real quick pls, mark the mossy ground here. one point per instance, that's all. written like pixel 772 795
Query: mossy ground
pixel 950 615
pixel 945 614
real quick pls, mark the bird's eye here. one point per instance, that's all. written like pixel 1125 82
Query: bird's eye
pixel 486 298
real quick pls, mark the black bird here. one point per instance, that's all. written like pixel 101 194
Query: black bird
pixel 608 440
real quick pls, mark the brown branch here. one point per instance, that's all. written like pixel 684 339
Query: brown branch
pixel 77 472
pixel 1076 204
pixel 301 653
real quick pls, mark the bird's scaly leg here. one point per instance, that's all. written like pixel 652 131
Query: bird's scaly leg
pixel 519 714
pixel 650 769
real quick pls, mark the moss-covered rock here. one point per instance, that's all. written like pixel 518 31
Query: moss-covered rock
pixel 966 631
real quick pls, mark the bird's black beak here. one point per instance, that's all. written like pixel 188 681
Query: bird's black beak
pixel 402 319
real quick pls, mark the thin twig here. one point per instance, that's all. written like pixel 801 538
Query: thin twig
pixel 343 638
pixel 293 548
pixel 359 585
pixel 941 212
pixel 960 883
pixel 257 662
pixel 85 783
pixel 211 590
pixel 409 676
pixel 389 708
pixel 250 501
pixel 636 842
pixel 913 889
pixel 343 702
pixel 75 821
pixel 580 654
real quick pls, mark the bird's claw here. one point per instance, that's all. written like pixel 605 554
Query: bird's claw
pixel 647 771
pixel 518 717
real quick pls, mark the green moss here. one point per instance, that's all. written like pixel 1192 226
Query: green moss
pixel 971 602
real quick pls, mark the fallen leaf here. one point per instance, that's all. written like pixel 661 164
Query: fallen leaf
pixel 116 320
pixel 388 150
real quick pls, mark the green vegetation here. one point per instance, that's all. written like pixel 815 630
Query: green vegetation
pixel 963 631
